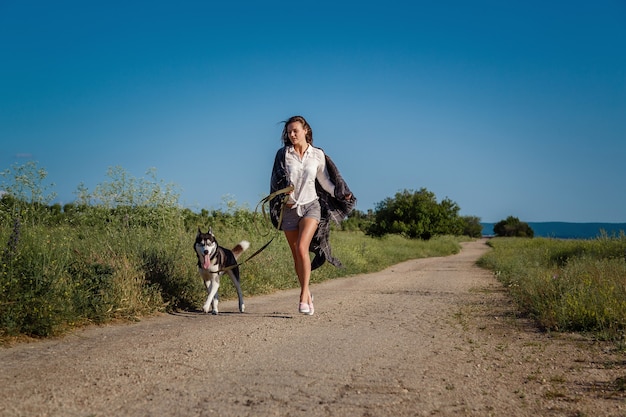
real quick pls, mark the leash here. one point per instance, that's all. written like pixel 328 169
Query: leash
pixel 262 203
pixel 269 198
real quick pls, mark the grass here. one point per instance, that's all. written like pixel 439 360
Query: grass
pixel 566 285
pixel 124 250
pixel 56 278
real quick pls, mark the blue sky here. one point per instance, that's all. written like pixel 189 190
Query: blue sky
pixel 507 108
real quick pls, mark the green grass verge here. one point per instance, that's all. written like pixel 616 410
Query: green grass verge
pixel 54 279
pixel 565 285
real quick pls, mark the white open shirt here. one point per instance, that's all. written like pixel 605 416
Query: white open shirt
pixel 302 174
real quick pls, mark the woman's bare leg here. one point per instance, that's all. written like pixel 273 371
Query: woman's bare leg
pixel 299 242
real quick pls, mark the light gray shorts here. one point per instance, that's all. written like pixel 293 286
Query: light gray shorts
pixel 291 218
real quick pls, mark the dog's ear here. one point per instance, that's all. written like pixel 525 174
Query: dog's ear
pixel 199 231
pixel 210 231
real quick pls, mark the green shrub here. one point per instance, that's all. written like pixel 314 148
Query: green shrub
pixel 416 214
pixel 513 227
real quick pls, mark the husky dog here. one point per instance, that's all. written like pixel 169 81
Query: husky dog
pixel 213 261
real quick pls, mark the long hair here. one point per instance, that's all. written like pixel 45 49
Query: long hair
pixel 309 132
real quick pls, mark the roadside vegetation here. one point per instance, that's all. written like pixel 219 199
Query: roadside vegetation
pixel 125 250
pixel 566 285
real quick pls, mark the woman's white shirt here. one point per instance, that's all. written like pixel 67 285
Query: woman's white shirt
pixel 302 173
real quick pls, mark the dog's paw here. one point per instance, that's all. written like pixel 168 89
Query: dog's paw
pixel 214 312
pixel 206 308
pixel 242 308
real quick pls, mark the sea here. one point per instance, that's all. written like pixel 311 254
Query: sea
pixel 565 230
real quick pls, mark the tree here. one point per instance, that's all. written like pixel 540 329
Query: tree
pixel 472 226
pixel 416 214
pixel 513 227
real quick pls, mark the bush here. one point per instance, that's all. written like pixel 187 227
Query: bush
pixel 416 215
pixel 472 226
pixel 513 227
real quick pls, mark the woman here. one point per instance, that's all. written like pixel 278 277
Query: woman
pixel 299 164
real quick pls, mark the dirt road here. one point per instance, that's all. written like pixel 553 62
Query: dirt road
pixel 433 336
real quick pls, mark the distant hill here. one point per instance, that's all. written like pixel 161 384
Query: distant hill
pixel 564 230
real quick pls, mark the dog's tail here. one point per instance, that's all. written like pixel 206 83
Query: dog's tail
pixel 240 248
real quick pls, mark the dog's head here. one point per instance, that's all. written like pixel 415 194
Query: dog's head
pixel 206 246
